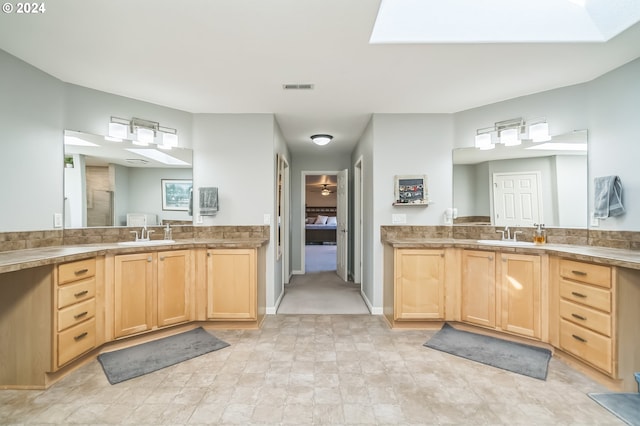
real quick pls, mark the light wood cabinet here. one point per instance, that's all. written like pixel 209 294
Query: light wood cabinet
pixel 419 284
pixel 174 287
pixel 151 290
pixel 585 306
pixel 232 284
pixel 521 294
pixel 479 288
pixel 75 330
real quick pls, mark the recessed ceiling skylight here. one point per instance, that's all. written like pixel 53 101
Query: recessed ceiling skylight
pixel 160 156
pixel 502 21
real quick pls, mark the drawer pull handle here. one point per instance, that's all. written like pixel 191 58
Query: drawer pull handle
pixel 80 315
pixel 576 294
pixel 580 317
pixel 81 293
pixel 80 336
pixel 81 271
pixel 578 338
pixel 582 273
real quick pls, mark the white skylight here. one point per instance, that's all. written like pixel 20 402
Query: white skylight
pixel 560 146
pixel 72 140
pixel 502 21
pixel 160 156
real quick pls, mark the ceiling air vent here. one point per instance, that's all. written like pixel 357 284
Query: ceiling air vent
pixel 303 86
pixel 136 161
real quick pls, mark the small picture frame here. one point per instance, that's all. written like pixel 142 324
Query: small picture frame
pixel 411 190
pixel 176 194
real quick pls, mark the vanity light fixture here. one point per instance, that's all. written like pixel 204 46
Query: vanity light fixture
pixel 321 139
pixel 512 132
pixel 142 132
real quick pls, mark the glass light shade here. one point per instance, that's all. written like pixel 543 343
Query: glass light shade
pixel 118 131
pixel 483 140
pixel 144 136
pixel 325 192
pixel 509 137
pixel 321 139
pixel 539 132
pixel 169 140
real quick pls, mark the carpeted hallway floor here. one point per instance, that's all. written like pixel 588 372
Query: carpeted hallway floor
pixel 320 290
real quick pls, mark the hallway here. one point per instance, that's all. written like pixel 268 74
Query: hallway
pixel 320 290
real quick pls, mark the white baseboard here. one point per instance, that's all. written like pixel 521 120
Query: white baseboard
pixel 297 272
pixel 373 310
pixel 272 310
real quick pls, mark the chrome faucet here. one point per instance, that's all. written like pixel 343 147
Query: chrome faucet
pixel 506 234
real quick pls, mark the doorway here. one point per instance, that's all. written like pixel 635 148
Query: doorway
pixel 517 200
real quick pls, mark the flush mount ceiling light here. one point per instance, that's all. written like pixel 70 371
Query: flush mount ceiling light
pixel 143 132
pixel 321 139
pixel 512 132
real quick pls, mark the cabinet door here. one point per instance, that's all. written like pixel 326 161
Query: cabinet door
pixel 419 284
pixel 173 287
pixel 133 297
pixel 479 287
pixel 232 284
pixel 520 290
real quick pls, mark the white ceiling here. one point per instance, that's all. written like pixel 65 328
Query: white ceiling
pixel 233 56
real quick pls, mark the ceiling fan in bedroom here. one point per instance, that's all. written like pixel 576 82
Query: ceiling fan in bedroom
pixel 325 191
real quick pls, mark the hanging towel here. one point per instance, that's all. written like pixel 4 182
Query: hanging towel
pixel 608 197
pixel 208 201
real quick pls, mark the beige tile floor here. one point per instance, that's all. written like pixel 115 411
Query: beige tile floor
pixel 316 369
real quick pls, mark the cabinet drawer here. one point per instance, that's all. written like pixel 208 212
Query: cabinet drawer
pixel 73 271
pixel 586 345
pixel 77 292
pixel 586 272
pixel 77 313
pixel 591 296
pixel 586 317
pixel 76 341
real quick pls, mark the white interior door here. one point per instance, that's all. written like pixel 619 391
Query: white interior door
pixel 342 217
pixel 517 199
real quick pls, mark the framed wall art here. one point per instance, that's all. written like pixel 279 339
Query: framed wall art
pixel 176 194
pixel 411 190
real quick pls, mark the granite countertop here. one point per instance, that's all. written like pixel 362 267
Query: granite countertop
pixel 603 255
pixel 30 258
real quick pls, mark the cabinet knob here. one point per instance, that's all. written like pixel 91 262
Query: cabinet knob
pixel 161 257
pixel 149 259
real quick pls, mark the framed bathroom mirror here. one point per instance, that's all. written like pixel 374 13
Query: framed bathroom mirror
pixel 525 184
pixel 108 183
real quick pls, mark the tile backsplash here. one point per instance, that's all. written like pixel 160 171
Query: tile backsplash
pixel 36 239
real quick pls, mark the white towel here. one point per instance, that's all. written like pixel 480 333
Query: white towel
pixel 607 197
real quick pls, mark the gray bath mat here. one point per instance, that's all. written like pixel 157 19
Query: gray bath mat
pixel 125 364
pixel 626 406
pixel 519 358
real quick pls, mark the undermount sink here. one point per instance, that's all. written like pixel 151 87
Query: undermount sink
pixel 506 242
pixel 146 243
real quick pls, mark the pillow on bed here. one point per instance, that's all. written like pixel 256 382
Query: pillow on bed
pixel 332 220
pixel 321 220
pixel 310 220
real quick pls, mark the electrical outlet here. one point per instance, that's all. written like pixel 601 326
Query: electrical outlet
pixel 397 219
pixel 200 219
pixel 267 219
pixel 594 220
pixel 57 220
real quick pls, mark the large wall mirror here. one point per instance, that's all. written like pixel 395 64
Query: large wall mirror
pixel 109 183
pixel 524 184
